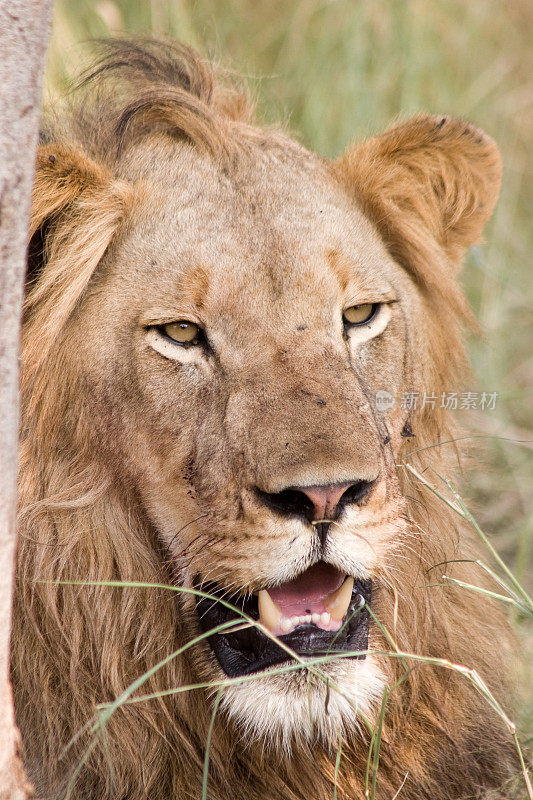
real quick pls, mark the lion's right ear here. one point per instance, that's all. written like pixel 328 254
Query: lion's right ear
pixel 62 174
pixel 77 207
pixel 68 184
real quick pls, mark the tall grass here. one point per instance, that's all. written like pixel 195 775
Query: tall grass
pixel 336 70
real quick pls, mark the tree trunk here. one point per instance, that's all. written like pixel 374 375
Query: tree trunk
pixel 24 30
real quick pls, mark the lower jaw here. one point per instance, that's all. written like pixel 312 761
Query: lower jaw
pixel 250 651
pixel 290 709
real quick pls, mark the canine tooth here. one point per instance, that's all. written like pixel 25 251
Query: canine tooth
pixel 315 617
pixel 286 625
pixel 337 602
pixel 269 613
pixel 361 601
pixel 325 618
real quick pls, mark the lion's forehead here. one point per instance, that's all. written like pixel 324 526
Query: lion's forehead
pixel 278 236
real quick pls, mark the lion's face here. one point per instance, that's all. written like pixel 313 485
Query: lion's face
pixel 216 324
pixel 256 448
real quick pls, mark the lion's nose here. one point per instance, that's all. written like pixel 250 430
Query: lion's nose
pixel 325 499
pixel 316 502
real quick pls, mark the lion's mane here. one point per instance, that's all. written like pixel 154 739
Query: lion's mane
pixel 75 646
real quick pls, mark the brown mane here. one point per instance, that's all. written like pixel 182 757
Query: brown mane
pixel 142 86
pixel 76 646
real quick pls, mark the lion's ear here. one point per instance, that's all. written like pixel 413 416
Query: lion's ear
pixel 62 174
pixel 77 207
pixel 430 177
pixel 70 187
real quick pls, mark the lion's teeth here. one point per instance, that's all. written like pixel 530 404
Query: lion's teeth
pixel 337 602
pixel 270 614
pixel 286 625
pixel 273 618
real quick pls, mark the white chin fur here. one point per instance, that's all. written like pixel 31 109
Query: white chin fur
pixel 289 710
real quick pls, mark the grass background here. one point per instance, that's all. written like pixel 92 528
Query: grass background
pixel 337 70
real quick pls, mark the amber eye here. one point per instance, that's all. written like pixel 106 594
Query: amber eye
pixel 360 315
pixel 182 332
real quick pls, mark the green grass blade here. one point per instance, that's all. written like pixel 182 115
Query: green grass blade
pixel 216 704
pixel 488 544
pixel 377 743
pixel 488 593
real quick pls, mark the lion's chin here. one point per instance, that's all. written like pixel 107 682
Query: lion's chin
pixel 296 708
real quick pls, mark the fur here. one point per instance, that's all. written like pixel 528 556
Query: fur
pixel 156 199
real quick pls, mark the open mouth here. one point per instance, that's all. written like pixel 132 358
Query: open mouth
pixel 322 611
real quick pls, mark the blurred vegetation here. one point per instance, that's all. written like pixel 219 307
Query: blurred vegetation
pixel 335 70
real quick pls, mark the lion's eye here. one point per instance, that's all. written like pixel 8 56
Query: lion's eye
pixel 360 315
pixel 182 332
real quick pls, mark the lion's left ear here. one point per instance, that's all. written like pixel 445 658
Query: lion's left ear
pixel 430 177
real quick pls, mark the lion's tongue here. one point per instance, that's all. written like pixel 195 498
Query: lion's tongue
pixel 321 595
pixel 306 593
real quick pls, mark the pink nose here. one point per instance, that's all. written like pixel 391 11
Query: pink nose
pixel 316 503
pixel 325 499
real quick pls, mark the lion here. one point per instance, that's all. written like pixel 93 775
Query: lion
pixel 228 577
